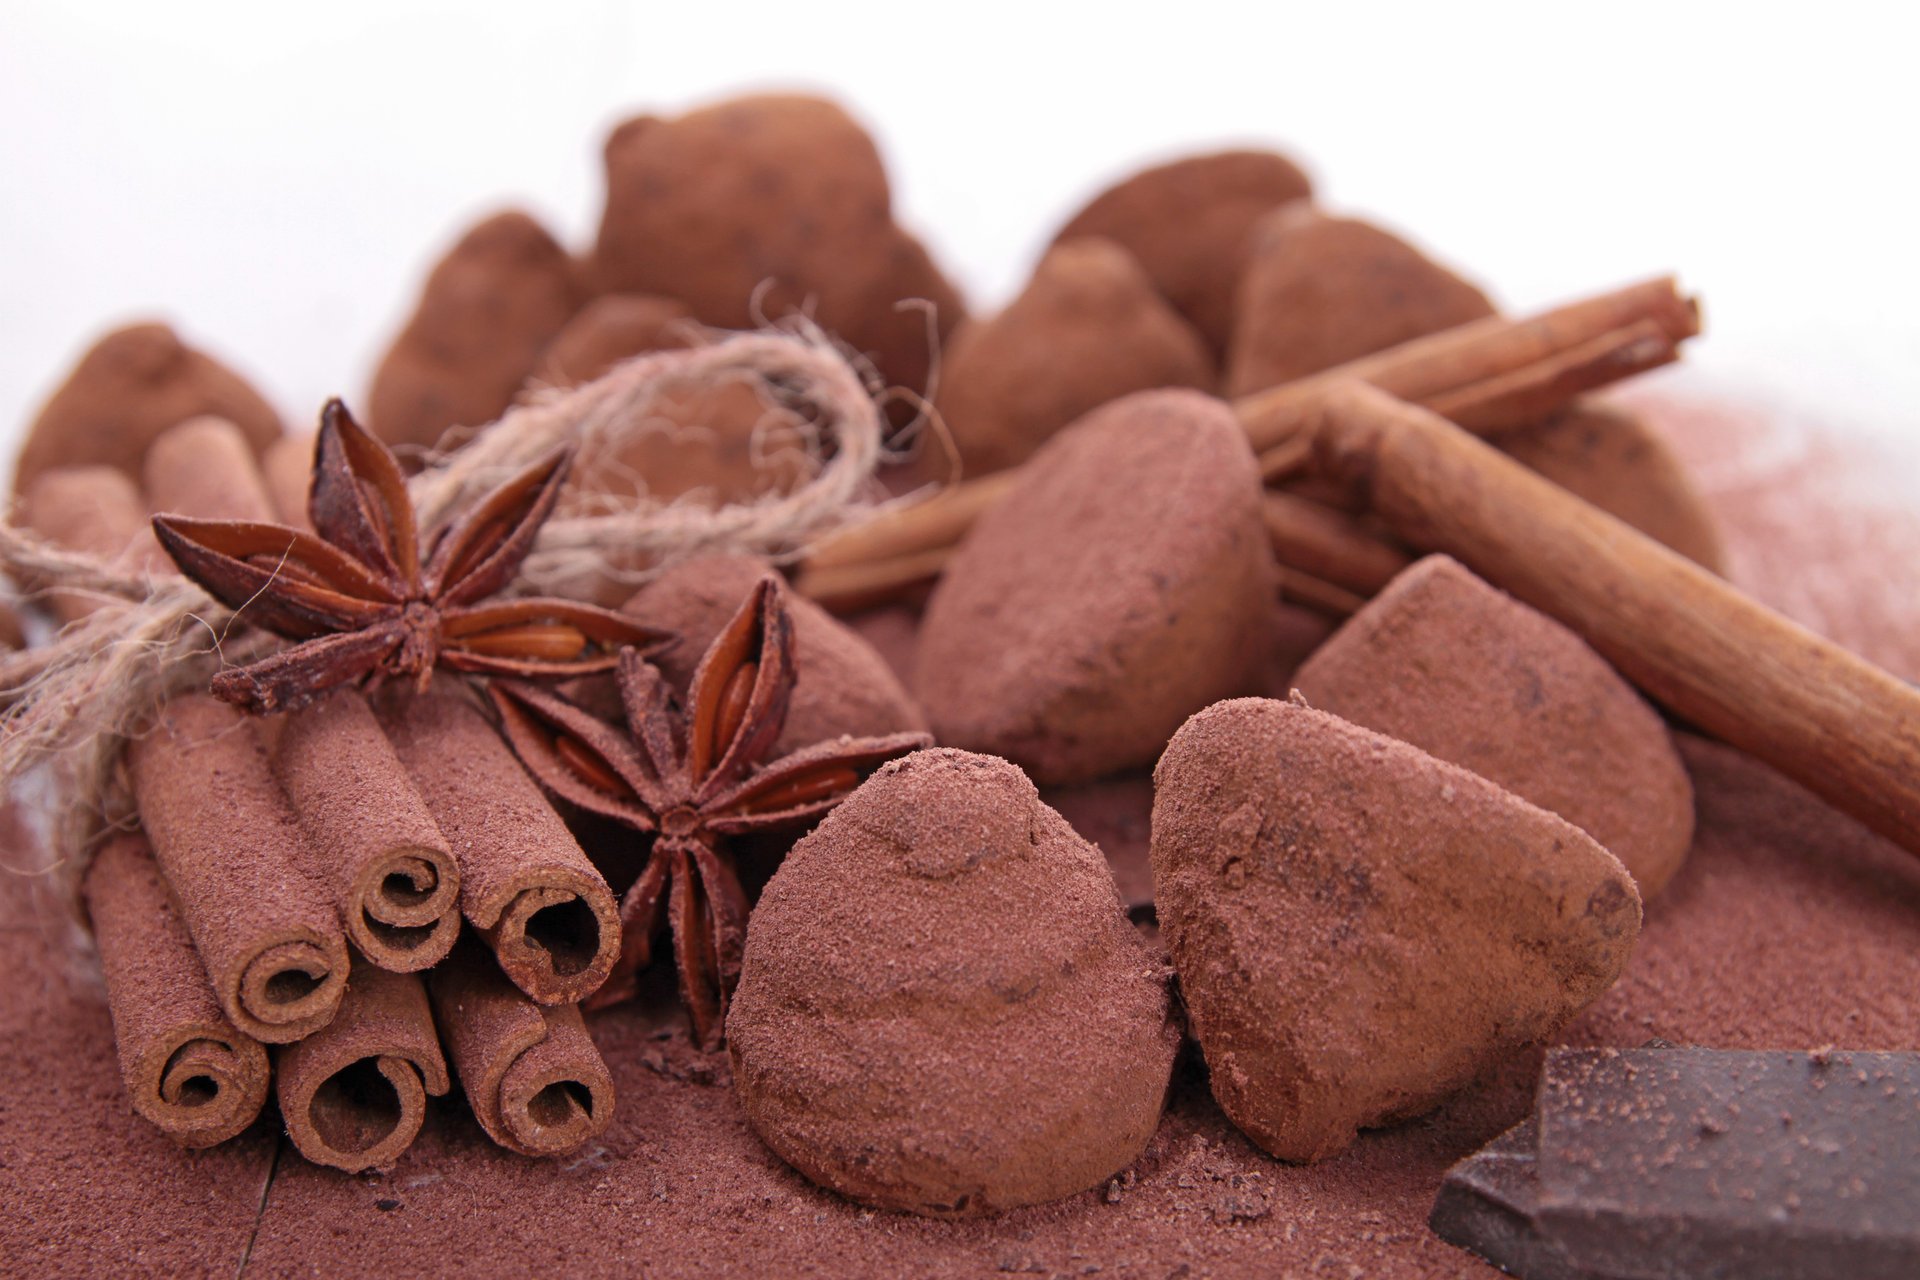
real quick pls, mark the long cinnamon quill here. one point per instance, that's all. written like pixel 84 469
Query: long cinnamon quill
pixel 524 882
pixel 374 842
pixel 231 847
pixel 1489 375
pixel 186 1067
pixel 354 1095
pixel 1839 725
pixel 531 1072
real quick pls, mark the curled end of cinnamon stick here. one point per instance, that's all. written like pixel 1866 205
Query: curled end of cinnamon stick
pixel 559 1093
pixel 558 938
pixel 355 1094
pixel 532 1074
pixel 204 1087
pixel 291 989
pixel 403 910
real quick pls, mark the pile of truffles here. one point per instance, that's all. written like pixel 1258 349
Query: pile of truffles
pixel 1402 824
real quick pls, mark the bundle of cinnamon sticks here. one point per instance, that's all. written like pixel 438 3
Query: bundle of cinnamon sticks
pixel 302 885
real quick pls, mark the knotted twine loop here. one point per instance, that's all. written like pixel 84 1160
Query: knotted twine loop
pixel 67 707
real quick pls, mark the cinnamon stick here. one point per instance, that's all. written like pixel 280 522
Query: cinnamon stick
pixel 1839 725
pixel 205 468
pixel 186 1068
pixel 1489 375
pixel 355 1094
pixel 524 882
pixel 231 847
pixel 97 510
pixel 287 466
pixel 394 880
pixel 531 1072
pixel 1330 545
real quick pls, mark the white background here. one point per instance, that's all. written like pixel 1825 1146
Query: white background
pixel 274 178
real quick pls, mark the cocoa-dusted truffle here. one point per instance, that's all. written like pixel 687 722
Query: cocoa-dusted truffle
pixel 942 1007
pixel 489 308
pixel 1607 454
pixel 1123 584
pixel 786 192
pixel 610 329
pixel 287 467
pixel 1320 291
pixel 726 440
pixel 1088 328
pixel 841 686
pixel 130 386
pixel 1361 929
pixel 1465 672
pixel 1187 222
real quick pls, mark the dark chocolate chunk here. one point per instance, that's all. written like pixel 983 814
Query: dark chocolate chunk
pixel 1663 1162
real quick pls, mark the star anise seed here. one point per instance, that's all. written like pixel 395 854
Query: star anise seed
pixel 692 780
pixel 366 598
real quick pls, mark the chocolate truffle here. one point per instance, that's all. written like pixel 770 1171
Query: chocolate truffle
pixel 1320 291
pixel 1607 454
pixel 489 308
pixel 130 386
pixel 725 440
pixel 1361 929
pixel 759 206
pixel 1089 328
pixel 1465 672
pixel 611 329
pixel 841 685
pixel 1123 584
pixel 287 467
pixel 1188 221
pixel 942 1007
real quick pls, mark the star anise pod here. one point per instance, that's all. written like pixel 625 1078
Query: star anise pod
pixel 693 780
pixel 366 597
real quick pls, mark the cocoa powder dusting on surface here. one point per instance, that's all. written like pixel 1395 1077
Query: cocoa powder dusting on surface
pixel 1789 925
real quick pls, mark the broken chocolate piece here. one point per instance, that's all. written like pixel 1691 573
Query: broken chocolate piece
pixel 1690 1162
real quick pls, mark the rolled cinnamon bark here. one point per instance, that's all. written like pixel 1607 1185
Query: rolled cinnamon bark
pixel 97 510
pixel 355 1093
pixel 186 1067
pixel 204 467
pixel 231 847
pixel 531 1072
pixel 524 883
pixel 288 467
pixel 374 843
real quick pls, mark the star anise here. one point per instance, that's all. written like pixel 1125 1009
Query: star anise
pixel 693 780
pixel 367 598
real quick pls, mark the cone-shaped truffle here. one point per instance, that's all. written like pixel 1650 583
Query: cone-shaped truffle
pixel 1187 223
pixel 205 468
pixel 231 847
pixel 942 1007
pixel 531 1073
pixel 1320 291
pixel 524 883
pixel 612 328
pixel 1123 584
pixel 1608 455
pixel 133 384
pixel 1088 328
pixel 376 846
pixel 186 1068
pixel 1361 929
pixel 355 1094
pixel 489 309
pixel 759 205
pixel 1467 673
pixel 841 685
